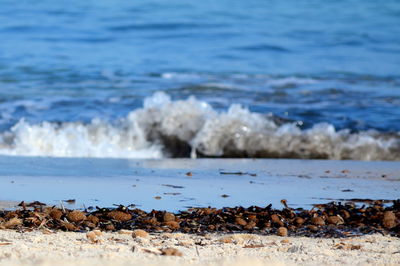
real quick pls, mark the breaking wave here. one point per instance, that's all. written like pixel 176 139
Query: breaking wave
pixel 183 128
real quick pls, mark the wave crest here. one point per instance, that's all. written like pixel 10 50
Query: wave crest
pixel 167 128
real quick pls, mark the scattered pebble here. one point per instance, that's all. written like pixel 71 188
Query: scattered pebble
pixel 389 219
pixel 171 252
pixel 76 216
pixel 282 231
pixel 323 220
pixel 119 216
pixel 140 233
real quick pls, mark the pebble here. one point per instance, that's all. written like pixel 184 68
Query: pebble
pixel 119 216
pixel 97 232
pixel 299 221
pixel 250 225
pixel 389 219
pixel 276 220
pixel 76 216
pixel 140 233
pixel 56 214
pixel 171 252
pixel 172 225
pixel 240 221
pixel 91 236
pixel 226 240
pixel 168 217
pixel 93 219
pixel 110 227
pixel 312 228
pixel 69 226
pixel 336 220
pixel 282 231
pixel 317 221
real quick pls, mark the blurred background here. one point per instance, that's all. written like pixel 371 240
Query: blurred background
pixel 301 63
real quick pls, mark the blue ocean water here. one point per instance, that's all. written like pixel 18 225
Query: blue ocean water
pixel 318 79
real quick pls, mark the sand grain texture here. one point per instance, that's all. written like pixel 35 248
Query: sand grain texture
pixel 67 248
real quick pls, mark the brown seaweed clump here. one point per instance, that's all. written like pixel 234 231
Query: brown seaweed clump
pixel 334 219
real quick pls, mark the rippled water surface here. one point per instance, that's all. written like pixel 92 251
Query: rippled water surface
pixel 314 79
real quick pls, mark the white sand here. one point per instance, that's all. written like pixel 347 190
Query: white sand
pixel 66 248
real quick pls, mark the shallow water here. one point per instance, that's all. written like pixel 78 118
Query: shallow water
pixel 104 182
pixel 295 63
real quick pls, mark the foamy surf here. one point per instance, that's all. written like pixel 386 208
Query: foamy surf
pixel 182 128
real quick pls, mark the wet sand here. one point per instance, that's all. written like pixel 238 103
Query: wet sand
pixel 67 248
pixel 166 184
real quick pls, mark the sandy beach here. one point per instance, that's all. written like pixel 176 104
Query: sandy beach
pixel 44 247
pixel 104 182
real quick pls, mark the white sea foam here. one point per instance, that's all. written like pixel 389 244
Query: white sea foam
pixel 147 133
pixel 266 79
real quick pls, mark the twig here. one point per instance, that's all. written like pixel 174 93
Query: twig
pixel 62 206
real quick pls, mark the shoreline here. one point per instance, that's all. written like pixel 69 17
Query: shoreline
pixel 178 184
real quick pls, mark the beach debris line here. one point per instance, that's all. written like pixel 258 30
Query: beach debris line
pixel 334 219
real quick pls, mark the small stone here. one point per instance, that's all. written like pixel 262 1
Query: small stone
pixel 76 216
pixel 389 219
pixel 172 225
pixel 119 216
pixel 97 232
pixel 89 224
pixel 110 227
pixel 299 221
pixel 69 226
pixel 282 231
pixel 140 233
pixel 317 221
pixel 171 252
pixel 226 240
pixel 93 219
pixel 56 214
pixel 240 221
pixel 91 236
pixel 285 241
pixel 276 220
pixel 312 228
pixel 168 217
pixel 250 225
pixel 336 220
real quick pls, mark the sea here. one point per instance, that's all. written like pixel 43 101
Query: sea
pixel 218 79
